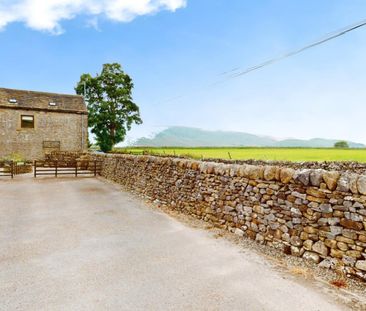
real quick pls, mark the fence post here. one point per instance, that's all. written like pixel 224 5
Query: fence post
pixel 35 169
pixel 55 168
pixel 76 168
pixel 95 168
pixel 12 169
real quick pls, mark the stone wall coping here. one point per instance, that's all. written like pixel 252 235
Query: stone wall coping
pixel 325 179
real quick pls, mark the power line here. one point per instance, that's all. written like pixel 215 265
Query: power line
pixel 236 73
pixel 298 51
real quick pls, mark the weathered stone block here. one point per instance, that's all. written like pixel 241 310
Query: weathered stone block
pixel 286 175
pixel 324 208
pixel 331 179
pixel 316 177
pixel 302 176
pixel 296 241
pixel 258 209
pixel 308 244
pixel 295 251
pixel 330 243
pixel 350 224
pixel 315 192
pixel 311 256
pixel 254 172
pixel 361 264
pixel 342 246
pixel 320 248
pixel 351 234
pixel 353 182
pixel 336 253
pixel 270 173
pixel 354 254
pixel 345 240
pixel 239 232
pixel 361 184
pixel 344 183
pixel 311 230
pixel 362 238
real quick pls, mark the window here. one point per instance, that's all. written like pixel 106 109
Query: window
pixel 27 122
pixel 51 144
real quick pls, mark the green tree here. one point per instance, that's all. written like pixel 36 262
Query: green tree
pixel 111 108
pixel 341 144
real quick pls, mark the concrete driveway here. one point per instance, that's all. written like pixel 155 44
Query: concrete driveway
pixel 82 244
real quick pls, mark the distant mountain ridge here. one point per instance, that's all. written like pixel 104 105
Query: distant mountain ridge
pixel 194 137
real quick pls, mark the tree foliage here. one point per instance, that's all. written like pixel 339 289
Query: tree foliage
pixel 110 105
pixel 341 144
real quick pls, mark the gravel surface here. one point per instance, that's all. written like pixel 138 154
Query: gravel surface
pixel 83 244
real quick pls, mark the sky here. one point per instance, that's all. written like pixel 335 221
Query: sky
pixel 175 51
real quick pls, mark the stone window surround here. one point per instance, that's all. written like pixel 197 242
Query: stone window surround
pixel 28 116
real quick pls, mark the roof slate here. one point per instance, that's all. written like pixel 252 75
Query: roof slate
pixel 41 101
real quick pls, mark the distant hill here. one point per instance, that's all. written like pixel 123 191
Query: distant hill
pixel 194 137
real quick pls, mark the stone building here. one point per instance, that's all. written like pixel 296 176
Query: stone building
pixel 33 124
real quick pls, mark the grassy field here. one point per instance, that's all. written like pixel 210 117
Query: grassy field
pixel 280 154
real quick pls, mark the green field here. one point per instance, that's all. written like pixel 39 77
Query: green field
pixel 278 154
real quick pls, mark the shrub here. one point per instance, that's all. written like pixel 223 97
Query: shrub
pixel 15 157
pixel 341 144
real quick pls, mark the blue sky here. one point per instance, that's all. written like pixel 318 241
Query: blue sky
pixel 176 47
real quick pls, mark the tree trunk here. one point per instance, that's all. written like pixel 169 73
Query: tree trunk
pixel 113 134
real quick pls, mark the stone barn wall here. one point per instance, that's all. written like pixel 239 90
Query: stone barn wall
pixel 316 214
pixel 69 129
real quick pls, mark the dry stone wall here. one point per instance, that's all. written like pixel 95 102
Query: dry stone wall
pixel 66 156
pixel 316 214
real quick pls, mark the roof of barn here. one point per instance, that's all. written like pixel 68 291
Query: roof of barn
pixel 41 101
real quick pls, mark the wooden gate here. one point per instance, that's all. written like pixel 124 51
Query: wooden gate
pixel 7 169
pixel 62 168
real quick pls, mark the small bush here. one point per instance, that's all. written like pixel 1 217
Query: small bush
pixel 341 145
pixel 15 157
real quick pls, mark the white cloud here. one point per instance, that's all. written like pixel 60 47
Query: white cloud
pixel 46 15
